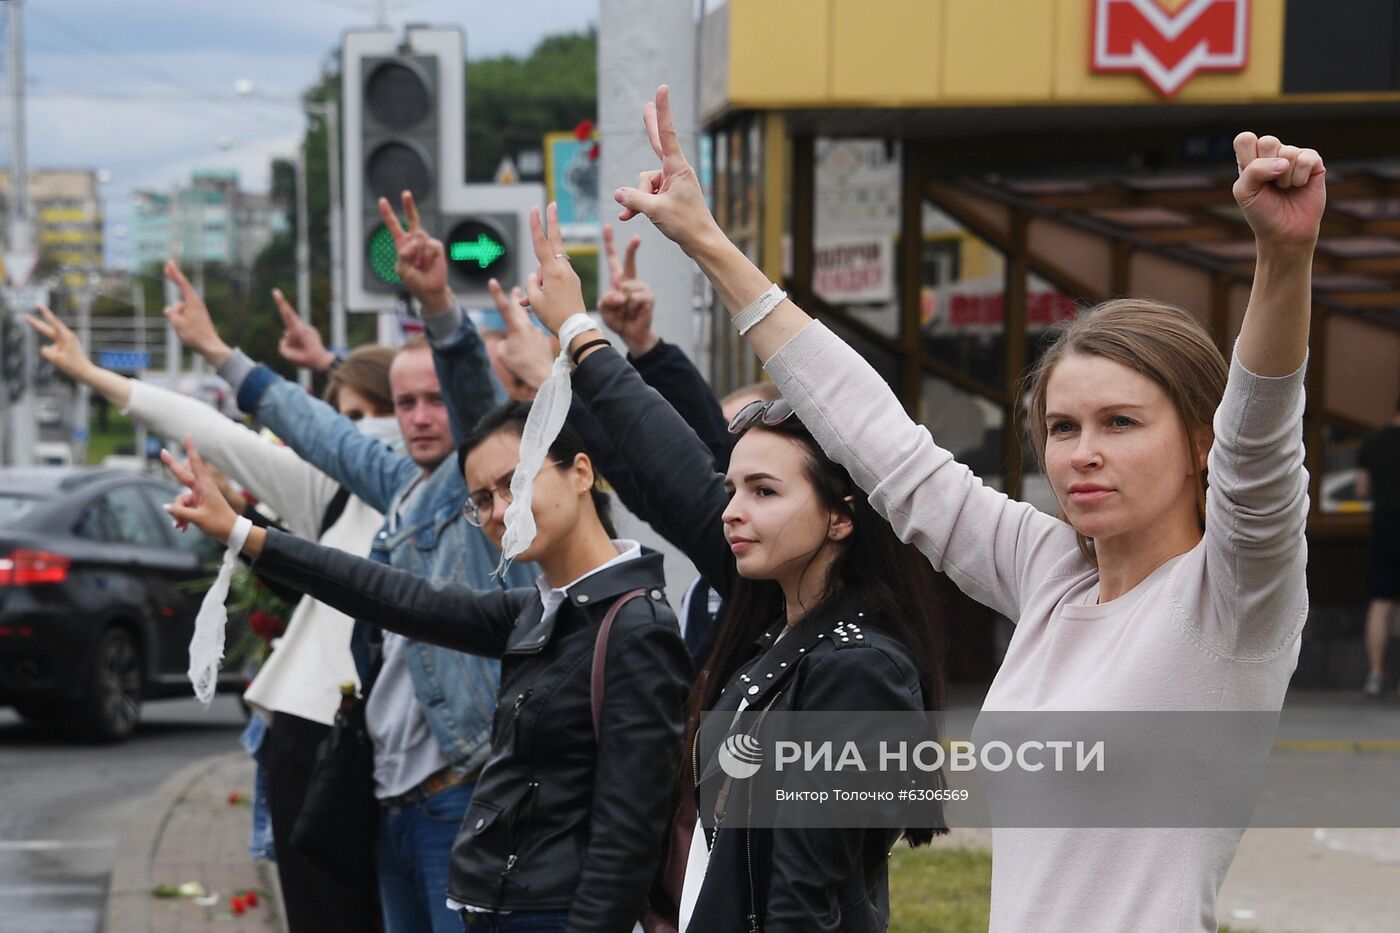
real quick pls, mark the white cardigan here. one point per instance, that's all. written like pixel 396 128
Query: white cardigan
pixel 303 676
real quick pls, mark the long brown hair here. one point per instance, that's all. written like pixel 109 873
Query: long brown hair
pixel 1158 340
pixel 366 372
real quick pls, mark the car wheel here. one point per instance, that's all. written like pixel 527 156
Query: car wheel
pixel 111 707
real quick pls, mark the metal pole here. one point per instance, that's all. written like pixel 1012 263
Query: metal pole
pixel 303 257
pixel 172 294
pixel 197 363
pixel 339 339
pixel 23 431
pixel 138 316
pixel 138 320
pixel 84 420
pixel 20 234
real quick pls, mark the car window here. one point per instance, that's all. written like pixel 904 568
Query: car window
pixel 132 520
pixel 95 524
pixel 14 508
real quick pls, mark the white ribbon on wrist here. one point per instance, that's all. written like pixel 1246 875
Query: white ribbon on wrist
pixel 207 645
pixel 547 414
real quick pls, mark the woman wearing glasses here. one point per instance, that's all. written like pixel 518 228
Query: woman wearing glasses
pixel 828 612
pixel 565 826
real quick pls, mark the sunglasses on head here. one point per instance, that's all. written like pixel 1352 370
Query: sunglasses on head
pixel 760 412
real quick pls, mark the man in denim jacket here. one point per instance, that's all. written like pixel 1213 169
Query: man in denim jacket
pixel 430 710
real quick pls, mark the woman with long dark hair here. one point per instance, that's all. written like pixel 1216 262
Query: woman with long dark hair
pixel 828 612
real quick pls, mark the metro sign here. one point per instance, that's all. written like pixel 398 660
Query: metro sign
pixel 1167 48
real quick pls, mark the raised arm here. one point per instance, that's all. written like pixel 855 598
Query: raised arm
pixel 452 615
pixel 314 430
pixel 627 308
pixel 1282 191
pixel 1257 503
pixel 682 495
pixel 464 373
pixel 295 490
pixel 994 548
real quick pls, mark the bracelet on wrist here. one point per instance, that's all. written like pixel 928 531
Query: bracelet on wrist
pixel 761 307
pixel 597 342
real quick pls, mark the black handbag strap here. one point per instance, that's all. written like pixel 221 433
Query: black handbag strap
pixel 600 655
pixel 334 509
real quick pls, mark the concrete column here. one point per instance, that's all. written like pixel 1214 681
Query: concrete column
pixel 641 44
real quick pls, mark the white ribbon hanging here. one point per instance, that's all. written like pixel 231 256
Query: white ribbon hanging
pixel 547 414
pixel 207 645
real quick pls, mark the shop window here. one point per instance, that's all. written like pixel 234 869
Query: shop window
pixel 962 302
pixel 856 229
pixel 966 424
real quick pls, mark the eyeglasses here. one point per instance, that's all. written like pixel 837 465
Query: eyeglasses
pixel 768 413
pixel 479 503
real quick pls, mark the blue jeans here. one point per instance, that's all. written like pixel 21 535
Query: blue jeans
pixel 260 843
pixel 415 852
pixel 520 921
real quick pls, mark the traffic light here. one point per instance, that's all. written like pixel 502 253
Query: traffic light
pixel 487 236
pixel 405 113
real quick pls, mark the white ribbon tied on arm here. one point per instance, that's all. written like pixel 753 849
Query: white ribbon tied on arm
pixel 547 414
pixel 207 645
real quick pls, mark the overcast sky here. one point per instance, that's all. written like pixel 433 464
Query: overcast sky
pixel 145 88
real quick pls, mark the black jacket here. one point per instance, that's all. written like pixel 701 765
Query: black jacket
pixel 803 879
pixel 558 821
pixel 667 369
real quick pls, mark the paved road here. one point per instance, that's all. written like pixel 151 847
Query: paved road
pixel 62 806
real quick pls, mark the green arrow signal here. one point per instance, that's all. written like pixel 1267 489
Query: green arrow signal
pixel 484 251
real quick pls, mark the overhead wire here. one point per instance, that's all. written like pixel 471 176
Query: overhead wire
pixel 232 105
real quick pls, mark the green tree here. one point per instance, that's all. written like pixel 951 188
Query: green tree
pixel 513 102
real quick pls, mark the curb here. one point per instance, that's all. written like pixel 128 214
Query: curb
pixel 128 907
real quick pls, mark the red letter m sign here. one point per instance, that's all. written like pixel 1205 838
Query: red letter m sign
pixel 1168 48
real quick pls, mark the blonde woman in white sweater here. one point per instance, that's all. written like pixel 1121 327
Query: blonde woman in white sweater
pixel 298 688
pixel 1151 591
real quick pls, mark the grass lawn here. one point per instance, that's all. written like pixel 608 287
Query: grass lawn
pixel 120 437
pixel 944 891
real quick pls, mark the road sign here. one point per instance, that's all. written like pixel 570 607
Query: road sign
pixel 124 361
pixel 19 265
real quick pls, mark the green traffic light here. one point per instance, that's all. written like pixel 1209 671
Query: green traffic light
pixel 383 255
pixel 484 251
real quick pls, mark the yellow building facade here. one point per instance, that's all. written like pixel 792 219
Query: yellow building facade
pixel 942 180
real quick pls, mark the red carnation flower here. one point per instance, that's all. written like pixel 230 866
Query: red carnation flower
pixel 266 625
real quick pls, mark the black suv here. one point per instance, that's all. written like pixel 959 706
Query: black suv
pixel 98 596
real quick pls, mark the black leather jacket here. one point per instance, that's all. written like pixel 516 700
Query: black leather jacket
pixel 558 821
pixel 802 879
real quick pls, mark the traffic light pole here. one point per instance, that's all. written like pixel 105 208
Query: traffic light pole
pixel 330 116
pixel 23 432
pixel 340 340
pixel 303 258
pixel 83 422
